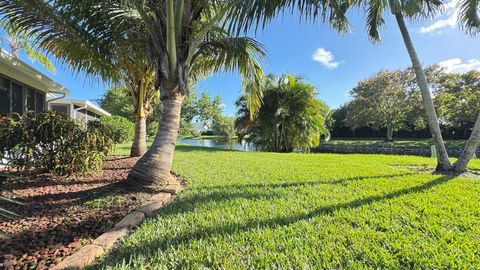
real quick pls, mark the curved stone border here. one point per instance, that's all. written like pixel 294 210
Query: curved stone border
pixel 105 242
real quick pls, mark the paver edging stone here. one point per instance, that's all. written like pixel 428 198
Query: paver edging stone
pixel 105 242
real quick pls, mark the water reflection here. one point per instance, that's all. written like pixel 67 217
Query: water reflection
pixel 223 143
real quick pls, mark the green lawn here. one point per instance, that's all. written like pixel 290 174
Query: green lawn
pixel 300 211
pixel 123 149
pixel 396 142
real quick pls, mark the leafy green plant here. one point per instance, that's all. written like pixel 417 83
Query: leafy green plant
pixel 50 143
pixel 290 117
pixel 118 128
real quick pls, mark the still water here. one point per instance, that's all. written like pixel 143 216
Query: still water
pixel 223 143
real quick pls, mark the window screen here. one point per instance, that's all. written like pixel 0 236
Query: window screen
pixel 17 98
pixel 30 106
pixel 39 102
pixel 4 95
pixel 60 109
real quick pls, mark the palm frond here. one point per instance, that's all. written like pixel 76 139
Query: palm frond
pixel 220 52
pixel 468 15
pixel 247 14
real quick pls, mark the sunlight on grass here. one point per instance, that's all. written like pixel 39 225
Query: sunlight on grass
pixel 298 211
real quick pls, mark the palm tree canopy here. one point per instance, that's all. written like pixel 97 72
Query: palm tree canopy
pixel 290 118
pixel 88 35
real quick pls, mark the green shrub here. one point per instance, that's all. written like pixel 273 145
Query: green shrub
pixel 118 128
pixel 50 143
pixel 152 128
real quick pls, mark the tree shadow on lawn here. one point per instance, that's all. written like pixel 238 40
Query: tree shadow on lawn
pixel 220 193
pixel 340 181
pixel 150 247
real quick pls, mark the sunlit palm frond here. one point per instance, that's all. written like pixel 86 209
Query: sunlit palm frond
pixel 220 52
pixel 256 14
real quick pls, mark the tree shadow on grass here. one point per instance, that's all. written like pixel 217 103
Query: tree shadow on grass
pixel 340 181
pixel 150 247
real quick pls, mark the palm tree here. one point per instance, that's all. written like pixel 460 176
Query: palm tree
pixel 290 118
pixel 413 9
pixel 185 39
pixel 255 12
pixel 118 57
pixel 22 41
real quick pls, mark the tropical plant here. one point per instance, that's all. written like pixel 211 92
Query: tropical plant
pixel 118 128
pixel 255 12
pixel 184 39
pixel 289 118
pixel 23 41
pixel 86 38
pixel 413 9
pixel 50 143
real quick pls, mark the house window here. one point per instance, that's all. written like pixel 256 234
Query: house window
pixel 4 95
pixel 60 109
pixel 30 100
pixel 17 98
pixel 39 102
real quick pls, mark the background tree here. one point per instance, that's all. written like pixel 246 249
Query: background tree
pixel 119 101
pixel 289 118
pixel 335 12
pixel 457 97
pixel 381 101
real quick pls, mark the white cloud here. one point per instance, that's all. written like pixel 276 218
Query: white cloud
pixel 325 58
pixel 223 105
pixel 458 66
pixel 446 20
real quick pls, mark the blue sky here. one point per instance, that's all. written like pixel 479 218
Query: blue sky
pixel 341 61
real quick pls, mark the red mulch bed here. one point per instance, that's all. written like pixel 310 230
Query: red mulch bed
pixel 63 214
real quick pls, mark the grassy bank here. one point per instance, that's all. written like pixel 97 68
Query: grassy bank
pixel 298 211
pixel 396 142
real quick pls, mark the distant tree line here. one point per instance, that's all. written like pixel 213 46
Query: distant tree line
pixel 388 104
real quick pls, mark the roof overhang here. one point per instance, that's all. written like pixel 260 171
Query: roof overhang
pixel 85 104
pixel 18 70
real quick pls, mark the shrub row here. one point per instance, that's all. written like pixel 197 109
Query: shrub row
pixel 50 143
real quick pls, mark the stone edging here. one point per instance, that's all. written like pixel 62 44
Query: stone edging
pixel 105 242
pixel 386 150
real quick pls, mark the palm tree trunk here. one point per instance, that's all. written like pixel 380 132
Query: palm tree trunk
pixel 443 163
pixel 472 145
pixel 154 167
pixel 139 146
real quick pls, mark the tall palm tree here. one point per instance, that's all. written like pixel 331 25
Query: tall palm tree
pixel 413 9
pixel 119 56
pixel 185 39
pixel 256 12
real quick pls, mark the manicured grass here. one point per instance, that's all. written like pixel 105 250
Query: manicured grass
pixel 299 211
pixel 396 142
pixel 123 149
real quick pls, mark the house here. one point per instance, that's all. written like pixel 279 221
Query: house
pixel 82 110
pixel 23 88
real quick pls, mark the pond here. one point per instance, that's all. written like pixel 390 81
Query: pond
pixel 223 143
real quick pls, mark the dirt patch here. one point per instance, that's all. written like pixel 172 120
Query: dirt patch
pixel 61 215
